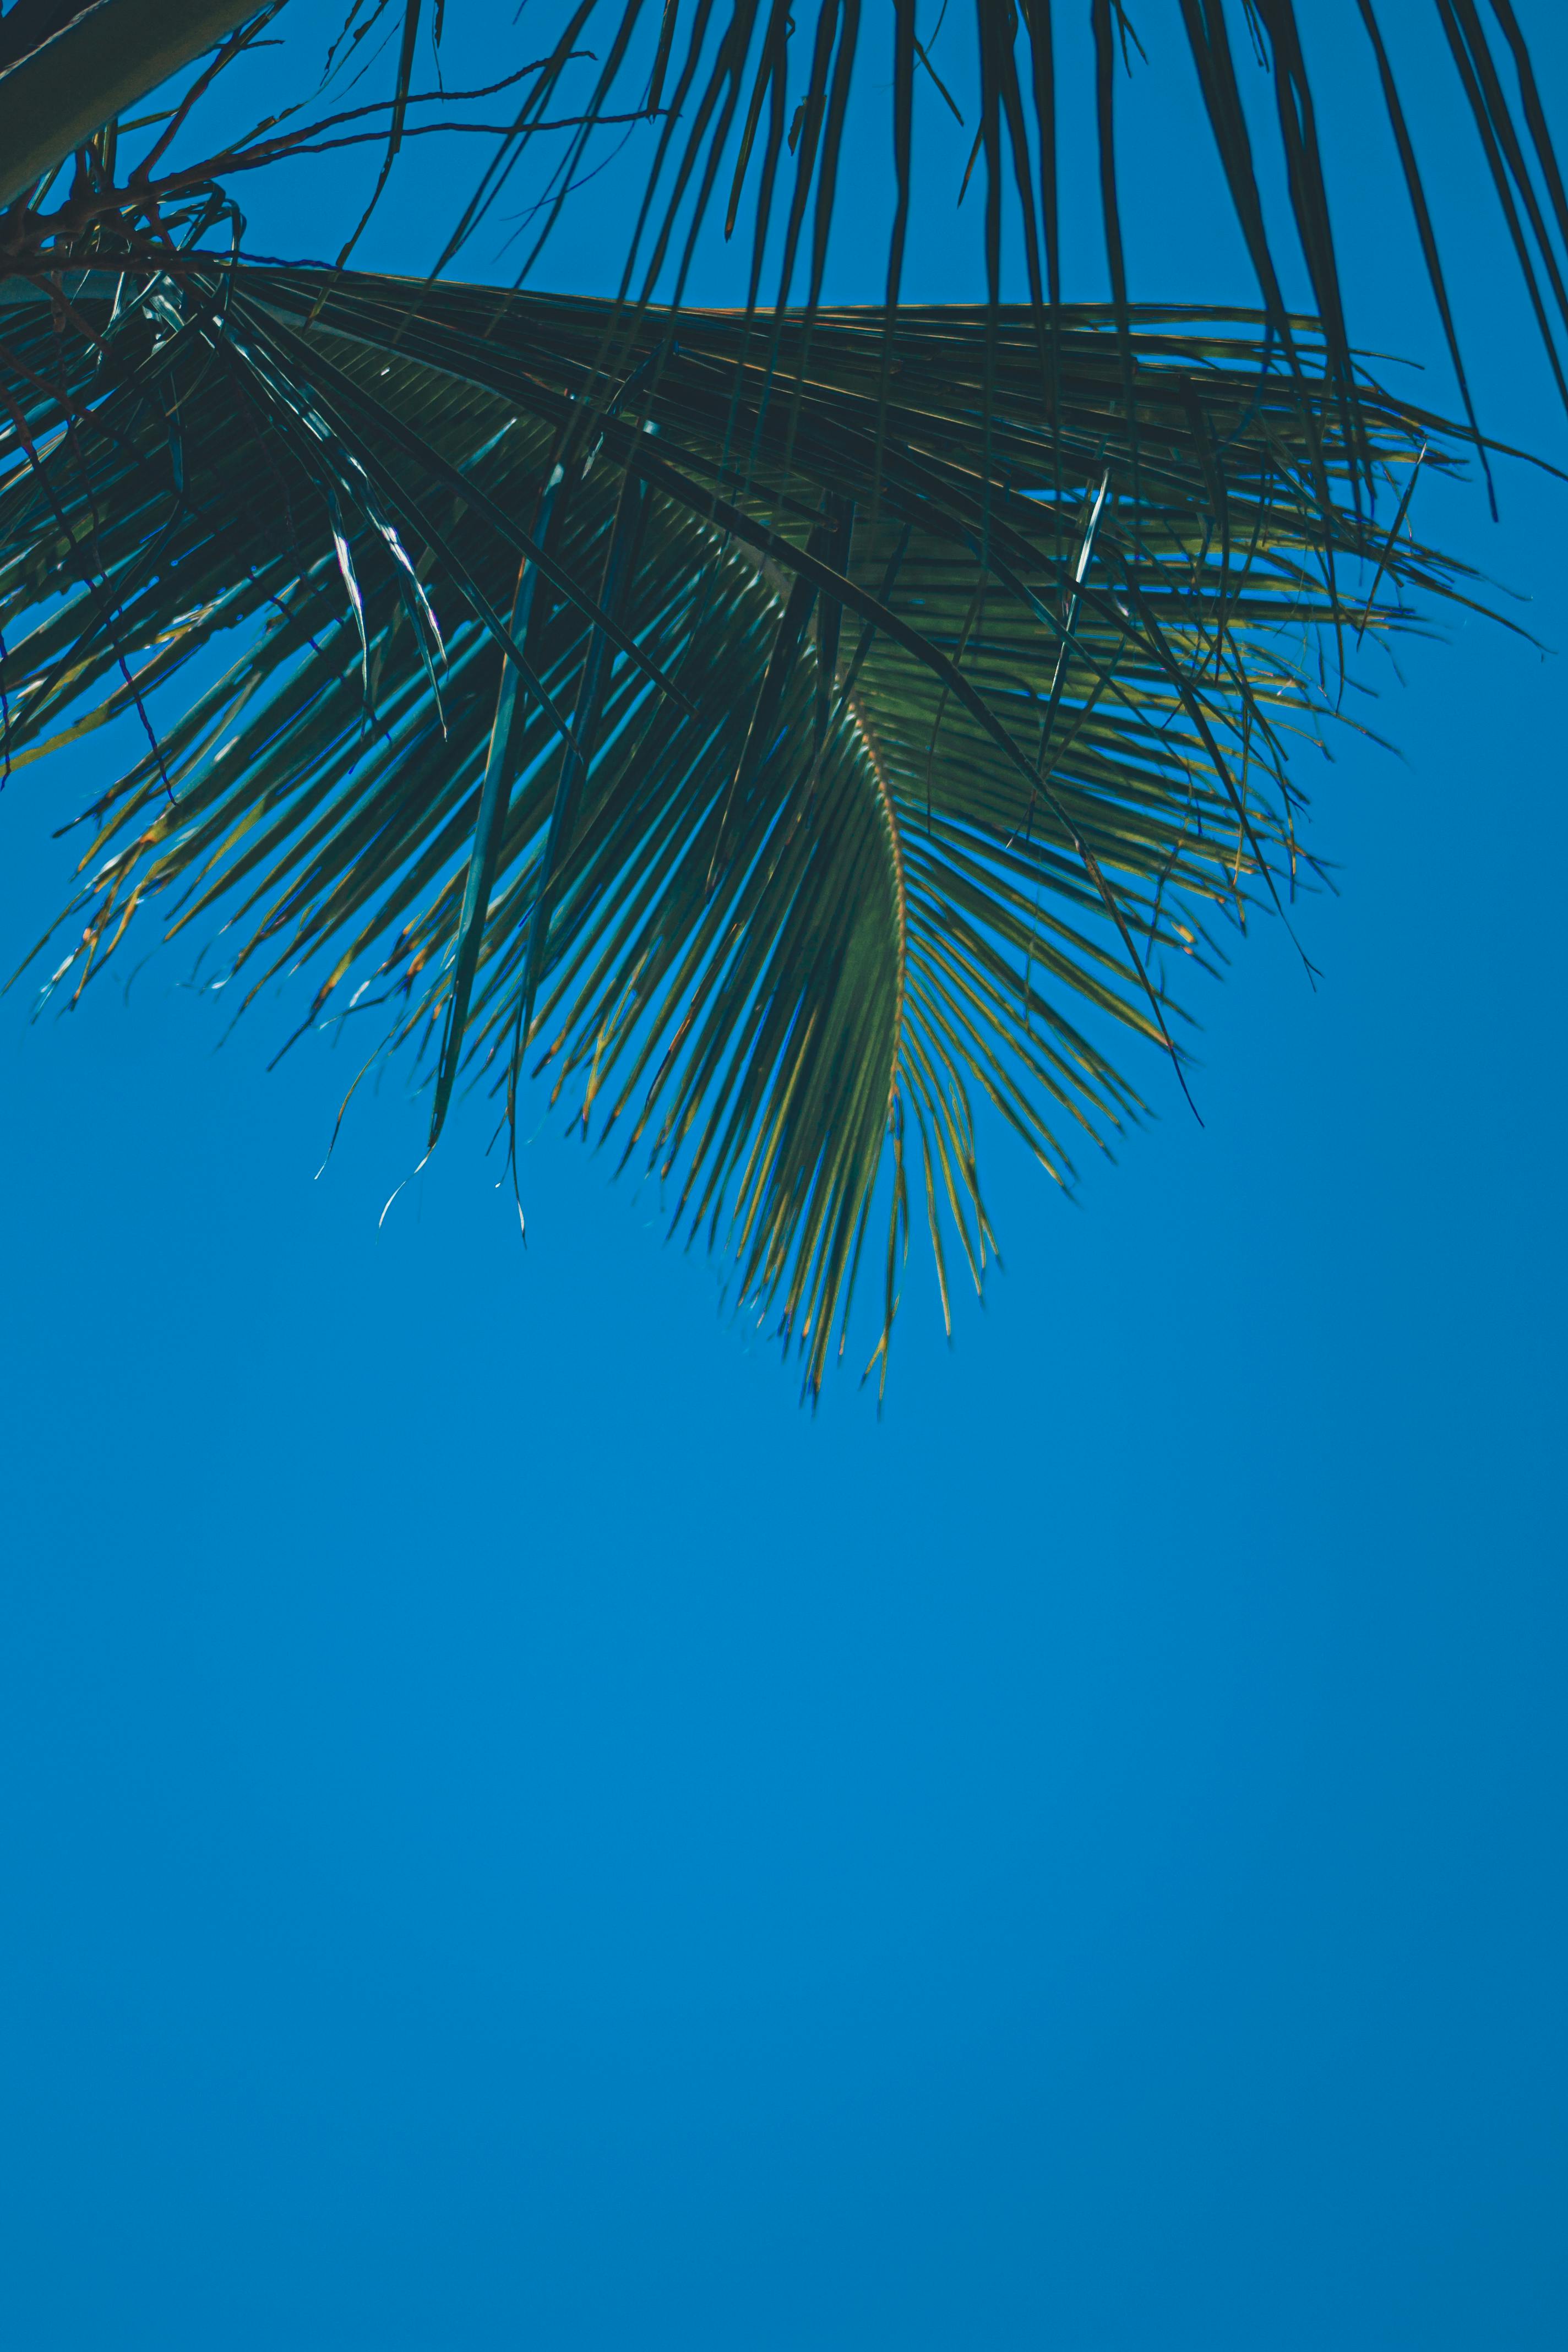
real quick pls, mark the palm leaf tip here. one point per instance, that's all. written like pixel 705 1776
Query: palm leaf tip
pixel 879 788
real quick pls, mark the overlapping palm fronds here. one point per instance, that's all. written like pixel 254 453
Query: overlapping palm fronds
pixel 790 742
pixel 758 94
pixel 745 107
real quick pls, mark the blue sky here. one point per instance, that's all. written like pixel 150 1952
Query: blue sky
pixel 511 1833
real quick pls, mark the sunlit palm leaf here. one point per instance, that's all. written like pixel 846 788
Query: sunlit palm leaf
pixel 832 803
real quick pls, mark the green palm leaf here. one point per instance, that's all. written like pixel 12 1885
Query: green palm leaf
pixel 789 740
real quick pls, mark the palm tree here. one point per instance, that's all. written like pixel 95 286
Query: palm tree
pixel 788 728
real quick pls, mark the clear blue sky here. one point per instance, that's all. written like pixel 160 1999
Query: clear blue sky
pixel 511 1834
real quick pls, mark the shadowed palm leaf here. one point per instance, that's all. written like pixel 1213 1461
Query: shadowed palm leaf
pixel 818 737
pixel 741 106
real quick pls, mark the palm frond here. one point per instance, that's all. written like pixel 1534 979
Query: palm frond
pixel 789 737
pixel 735 110
pixel 735 79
